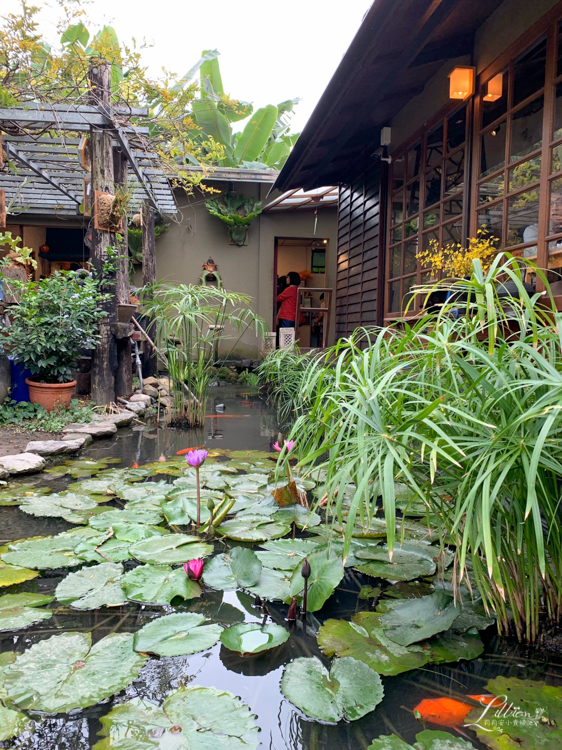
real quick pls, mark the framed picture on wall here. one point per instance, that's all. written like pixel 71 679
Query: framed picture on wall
pixel 318 262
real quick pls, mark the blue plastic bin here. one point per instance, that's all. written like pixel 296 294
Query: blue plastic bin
pixel 20 391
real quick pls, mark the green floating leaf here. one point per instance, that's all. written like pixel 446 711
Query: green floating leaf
pixel 65 672
pixel 111 517
pixel 181 510
pixel 450 647
pixel 299 515
pixel 349 691
pixel 192 718
pixel 532 718
pixel 11 574
pixel 286 554
pixel 48 552
pixel 253 528
pixel 408 561
pixel 251 455
pixel 173 548
pixel 426 740
pixel 158 585
pixel 252 638
pixel 238 568
pixel 273 585
pixel 177 635
pixel 364 638
pixel 12 723
pixel 18 610
pixel 91 588
pixel 326 573
pixel 407 621
pixel 61 505
pixel 141 491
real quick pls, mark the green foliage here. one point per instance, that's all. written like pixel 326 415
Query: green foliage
pixel 135 240
pixel 463 407
pixel 191 325
pixel 33 417
pixel 56 317
pixel 237 212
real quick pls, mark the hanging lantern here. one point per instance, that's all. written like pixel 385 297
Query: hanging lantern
pixel 461 83
pixel 494 88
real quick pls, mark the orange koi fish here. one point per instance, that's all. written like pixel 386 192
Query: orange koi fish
pixel 449 712
pixel 188 450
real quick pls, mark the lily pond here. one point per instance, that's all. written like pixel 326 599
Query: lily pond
pixel 107 641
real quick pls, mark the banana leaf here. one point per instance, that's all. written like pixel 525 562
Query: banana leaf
pixel 256 133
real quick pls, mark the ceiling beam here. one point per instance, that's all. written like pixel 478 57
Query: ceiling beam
pixel 455 46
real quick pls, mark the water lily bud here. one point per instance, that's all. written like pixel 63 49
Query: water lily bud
pixel 305 572
pixel 210 504
pixel 194 569
pixel 292 613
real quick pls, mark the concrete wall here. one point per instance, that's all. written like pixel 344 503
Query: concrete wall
pixel 249 269
pixel 511 19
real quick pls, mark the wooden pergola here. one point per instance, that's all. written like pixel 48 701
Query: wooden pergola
pixel 45 172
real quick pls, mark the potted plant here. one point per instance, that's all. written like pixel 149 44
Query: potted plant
pixel 237 212
pixel 56 318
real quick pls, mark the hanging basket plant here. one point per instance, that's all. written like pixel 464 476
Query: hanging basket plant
pixel 237 212
pixel 110 209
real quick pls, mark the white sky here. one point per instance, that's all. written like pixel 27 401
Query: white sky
pixel 271 50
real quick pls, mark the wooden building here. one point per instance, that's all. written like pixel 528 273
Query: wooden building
pixel 444 116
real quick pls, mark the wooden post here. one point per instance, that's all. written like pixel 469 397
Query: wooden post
pixel 104 361
pixel 148 277
pixel 124 379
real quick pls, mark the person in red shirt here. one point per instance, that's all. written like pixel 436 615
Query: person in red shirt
pixel 288 299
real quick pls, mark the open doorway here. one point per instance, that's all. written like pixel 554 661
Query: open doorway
pixel 308 257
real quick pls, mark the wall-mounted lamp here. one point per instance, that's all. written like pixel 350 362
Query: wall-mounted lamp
pixel 386 138
pixel 495 88
pixel 461 83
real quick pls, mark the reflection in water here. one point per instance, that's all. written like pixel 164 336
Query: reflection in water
pixel 256 679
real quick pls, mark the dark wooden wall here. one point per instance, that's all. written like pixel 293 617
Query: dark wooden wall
pixel 357 281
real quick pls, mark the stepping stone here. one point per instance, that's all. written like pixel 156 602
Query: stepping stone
pixel 122 419
pixel 86 439
pixel 22 463
pixel 140 398
pixel 95 429
pixel 53 447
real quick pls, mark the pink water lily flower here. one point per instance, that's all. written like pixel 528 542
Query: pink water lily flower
pixel 288 445
pixel 194 569
pixel 196 458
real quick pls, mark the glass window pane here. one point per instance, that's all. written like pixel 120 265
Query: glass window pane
pixel 410 252
pixel 397 210
pixel 526 129
pixel 556 159
pixel 529 72
pixel 493 150
pixel 430 219
pixel 408 296
pixel 428 237
pixel 398 167
pixel 411 227
pixel 490 221
pixel 492 189
pixel 559 65
pixel 394 297
pixel 434 146
pixel 522 218
pixel 555 225
pixel 452 233
pixel 492 111
pixel 454 173
pixel 433 186
pixel 413 198
pixel 452 207
pixel 414 156
pixel 396 234
pixel 456 129
pixel 525 174
pixel 395 267
pixel 558 113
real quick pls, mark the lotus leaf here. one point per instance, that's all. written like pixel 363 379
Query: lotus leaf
pixel 192 718
pixel 426 740
pixel 538 706
pixel 11 574
pixel 349 691
pixel 48 552
pixel 238 568
pixel 408 621
pixel 177 635
pixel 150 584
pixel 170 549
pixel 65 671
pixel 252 528
pixel 409 561
pixel 285 554
pixel 364 638
pixel 111 517
pixel 252 638
pixel 326 573
pixel 273 585
pixel 91 588
pixel 19 610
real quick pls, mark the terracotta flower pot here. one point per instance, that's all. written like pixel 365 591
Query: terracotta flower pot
pixel 50 395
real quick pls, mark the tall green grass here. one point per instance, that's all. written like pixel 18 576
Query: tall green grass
pixel 464 406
